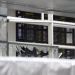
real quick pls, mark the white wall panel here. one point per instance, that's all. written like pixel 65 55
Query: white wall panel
pixel 11 27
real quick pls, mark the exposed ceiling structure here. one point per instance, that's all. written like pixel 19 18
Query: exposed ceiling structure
pixel 59 7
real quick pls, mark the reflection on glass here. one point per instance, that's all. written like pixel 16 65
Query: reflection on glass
pixel 32 51
pixel 20 16
pixel 74 37
pixel 63 38
pixel 3 49
pixel 56 37
pixel 23 34
pixel 19 25
pixel 56 28
pixel 44 36
pixel 69 38
pixel 20 33
pixel 30 26
pixel 68 29
pixel 44 27
pixel 30 35
pixel 39 27
pixel 38 36
pixel 3 31
pixel 63 29
pixel 53 52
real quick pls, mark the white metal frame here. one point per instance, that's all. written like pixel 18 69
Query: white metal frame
pixel 38 22
pixel 50 23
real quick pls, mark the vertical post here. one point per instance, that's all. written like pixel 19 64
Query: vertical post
pixel 50 29
pixel 50 34
pixel 42 16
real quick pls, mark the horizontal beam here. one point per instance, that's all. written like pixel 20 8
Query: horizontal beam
pixel 29 21
pixel 65 46
pixel 63 24
pixel 35 44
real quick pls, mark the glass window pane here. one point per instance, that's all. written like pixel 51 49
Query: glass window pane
pixel 3 32
pixel 3 49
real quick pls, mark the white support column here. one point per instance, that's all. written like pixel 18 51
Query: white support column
pixel 50 35
pixel 50 29
pixel 42 16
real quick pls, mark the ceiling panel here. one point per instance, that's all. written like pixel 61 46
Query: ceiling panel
pixel 43 5
pixel 47 3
